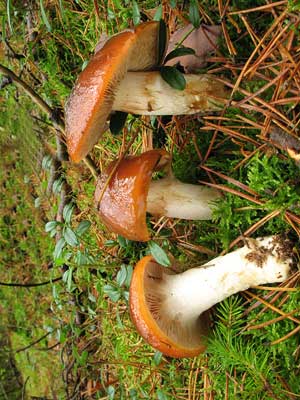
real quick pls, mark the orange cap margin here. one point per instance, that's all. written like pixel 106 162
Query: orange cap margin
pixel 146 324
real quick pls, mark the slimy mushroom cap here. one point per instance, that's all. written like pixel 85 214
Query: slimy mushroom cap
pixel 92 97
pixel 121 196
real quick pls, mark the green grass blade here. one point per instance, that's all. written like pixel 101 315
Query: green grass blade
pixel 136 15
pixel 44 17
pixel 8 12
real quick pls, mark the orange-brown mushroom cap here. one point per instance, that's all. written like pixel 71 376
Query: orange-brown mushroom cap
pixel 155 326
pixel 121 196
pixel 91 100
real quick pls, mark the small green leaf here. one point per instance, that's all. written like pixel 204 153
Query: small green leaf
pixel 70 237
pixel 92 298
pixel 59 248
pixel 110 13
pixel 37 202
pixel 119 321
pixel 194 15
pixel 50 226
pixel 69 280
pixel 53 233
pixel 61 335
pixel 121 275
pixel 8 12
pixel 84 64
pixel 159 254
pixel 157 358
pixel 158 13
pixel 126 295
pixel 133 394
pixel 111 392
pixel 117 122
pixel 136 15
pixel 110 243
pixel 47 162
pixel 161 395
pixel 173 77
pixel 62 11
pixel 83 357
pixel 67 212
pixel 112 292
pixel 129 276
pixel 57 185
pixel 123 242
pixel 179 52
pixel 83 227
pixel 44 16
pixel 162 41
pixel 172 3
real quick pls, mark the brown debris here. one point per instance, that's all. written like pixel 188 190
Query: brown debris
pixel 203 40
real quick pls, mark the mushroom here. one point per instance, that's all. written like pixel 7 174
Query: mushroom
pixel 124 193
pixel 113 81
pixel 169 310
pixel 92 97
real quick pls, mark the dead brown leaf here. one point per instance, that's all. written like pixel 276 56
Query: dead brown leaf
pixel 203 40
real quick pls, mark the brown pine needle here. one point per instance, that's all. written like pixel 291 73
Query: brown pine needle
pixel 260 8
pixel 262 89
pixel 230 132
pixel 233 191
pixel 269 49
pixel 297 329
pixel 254 227
pixel 276 289
pixel 249 156
pixel 196 247
pixel 248 62
pixel 272 321
pixel 288 218
pixel 222 12
pixel 273 308
pixel 231 180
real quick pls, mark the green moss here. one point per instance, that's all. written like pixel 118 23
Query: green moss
pixel 41 370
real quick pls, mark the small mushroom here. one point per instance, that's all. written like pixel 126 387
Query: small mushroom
pixel 92 97
pixel 125 191
pixel 169 310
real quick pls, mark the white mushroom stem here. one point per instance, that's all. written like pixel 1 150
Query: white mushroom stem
pixel 260 261
pixel 146 93
pixel 172 198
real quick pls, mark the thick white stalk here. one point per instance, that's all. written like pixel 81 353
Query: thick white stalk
pixel 260 261
pixel 146 93
pixel 172 198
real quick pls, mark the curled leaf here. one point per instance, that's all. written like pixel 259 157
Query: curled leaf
pixel 194 15
pixel 159 254
pixel 173 77
pixel 162 40
pixel 179 52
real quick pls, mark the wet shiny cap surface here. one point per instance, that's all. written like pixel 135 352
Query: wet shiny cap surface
pixel 91 99
pixel 121 196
